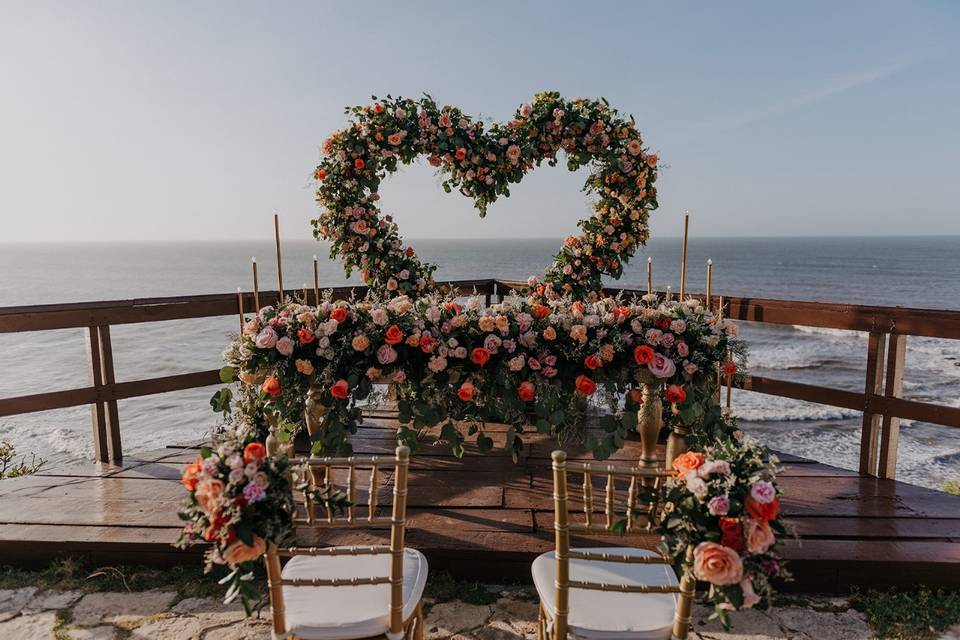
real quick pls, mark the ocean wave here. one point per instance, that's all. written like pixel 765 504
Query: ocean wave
pixel 756 407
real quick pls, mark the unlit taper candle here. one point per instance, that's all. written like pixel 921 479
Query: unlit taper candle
pixel 709 282
pixel 650 275
pixel 276 233
pixel 256 285
pixel 316 283
pixel 240 307
pixel 683 260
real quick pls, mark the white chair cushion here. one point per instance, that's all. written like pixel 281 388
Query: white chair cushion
pixel 604 615
pixel 332 613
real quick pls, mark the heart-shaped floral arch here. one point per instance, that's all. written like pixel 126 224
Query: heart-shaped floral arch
pixel 481 164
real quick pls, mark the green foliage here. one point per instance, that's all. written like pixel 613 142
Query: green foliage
pixel 916 615
pixel 10 467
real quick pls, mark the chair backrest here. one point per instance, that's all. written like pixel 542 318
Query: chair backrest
pixel 321 504
pixel 564 523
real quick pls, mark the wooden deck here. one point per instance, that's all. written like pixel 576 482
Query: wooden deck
pixel 486 517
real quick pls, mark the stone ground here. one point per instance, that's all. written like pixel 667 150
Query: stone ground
pixel 32 614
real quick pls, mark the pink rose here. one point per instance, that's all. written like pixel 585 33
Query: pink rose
pixel 682 349
pixel 759 535
pixel 386 354
pixel 285 346
pixel 719 506
pixel 696 485
pixel 653 336
pixel 267 339
pixel 763 492
pixel 678 326
pixel 661 366
pixel 717 564
pixel 667 340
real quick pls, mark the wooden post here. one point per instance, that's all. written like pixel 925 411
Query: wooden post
pixel 276 233
pixel 98 412
pixel 109 379
pixel 275 589
pixel 890 429
pixel 869 436
pixel 688 586
pixel 562 536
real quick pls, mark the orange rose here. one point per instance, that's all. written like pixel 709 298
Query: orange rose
pixel 305 336
pixel 527 391
pixel 541 311
pixel 394 335
pixel 717 564
pixel 585 385
pixel 339 314
pixel 687 462
pixel 216 524
pixel 189 477
pixel 340 389
pixel 762 511
pixel 426 342
pixel 480 356
pixel 729 368
pixel 676 394
pixel 320 174
pixel 643 355
pixel 592 362
pixel 466 391
pixel 238 552
pixel 254 452
pixel 208 495
pixel 271 387
pixel 359 164
pixel 759 536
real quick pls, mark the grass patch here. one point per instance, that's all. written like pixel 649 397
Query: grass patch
pixel 72 573
pixel 909 615
pixel 442 587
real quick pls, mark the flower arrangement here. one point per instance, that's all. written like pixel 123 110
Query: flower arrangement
pixel 239 500
pixel 725 503
pixel 523 362
pixel 481 163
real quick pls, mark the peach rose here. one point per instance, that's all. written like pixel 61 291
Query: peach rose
pixel 360 343
pixel 759 536
pixel 750 596
pixel 717 564
pixel 238 552
pixel 208 495
pixel 687 462
pixel 550 333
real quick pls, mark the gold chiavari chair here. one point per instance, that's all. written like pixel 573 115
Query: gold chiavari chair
pixel 608 592
pixel 336 593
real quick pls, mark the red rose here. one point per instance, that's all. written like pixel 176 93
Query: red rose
pixel 729 368
pixel 320 174
pixel 426 342
pixel 465 392
pixel 461 153
pixel 732 534
pixel 271 387
pixel 394 335
pixel 643 355
pixel 541 311
pixel 434 161
pixel 340 389
pixel 585 385
pixel 663 323
pixel 378 108
pixel 216 523
pixel 409 252
pixel 254 452
pixel 762 511
pixel 592 362
pixel 339 314
pixel 676 394
pixel 621 312
pixel 479 356
pixel 527 391
pixel 359 164
pixel 305 336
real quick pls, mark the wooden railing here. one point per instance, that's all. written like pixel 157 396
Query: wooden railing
pixel 881 401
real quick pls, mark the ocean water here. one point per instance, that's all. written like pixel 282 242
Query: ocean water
pixel 914 272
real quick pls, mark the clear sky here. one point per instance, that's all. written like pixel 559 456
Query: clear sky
pixel 183 120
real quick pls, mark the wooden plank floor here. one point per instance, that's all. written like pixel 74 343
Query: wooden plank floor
pixel 486 517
